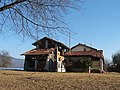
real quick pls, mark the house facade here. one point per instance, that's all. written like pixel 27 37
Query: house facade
pixel 51 55
pixel 47 55
pixel 81 53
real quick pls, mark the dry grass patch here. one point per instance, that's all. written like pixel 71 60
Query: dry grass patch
pixel 21 80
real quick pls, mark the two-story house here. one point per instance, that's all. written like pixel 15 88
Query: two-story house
pixel 80 53
pixel 47 55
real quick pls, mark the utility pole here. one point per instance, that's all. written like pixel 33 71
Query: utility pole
pixel 37 37
pixel 69 39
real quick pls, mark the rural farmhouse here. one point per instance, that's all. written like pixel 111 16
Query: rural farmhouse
pixel 81 53
pixel 51 55
pixel 47 56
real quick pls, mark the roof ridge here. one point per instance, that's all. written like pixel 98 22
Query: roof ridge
pixel 83 45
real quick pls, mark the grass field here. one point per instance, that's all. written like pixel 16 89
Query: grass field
pixel 21 80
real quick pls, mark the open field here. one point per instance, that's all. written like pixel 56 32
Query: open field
pixel 21 80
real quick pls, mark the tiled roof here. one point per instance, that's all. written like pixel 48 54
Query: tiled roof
pixel 38 51
pixel 93 53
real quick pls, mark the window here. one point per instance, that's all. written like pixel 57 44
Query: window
pixel 84 49
pixel 33 57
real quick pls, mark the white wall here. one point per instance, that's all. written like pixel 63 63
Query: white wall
pixel 81 48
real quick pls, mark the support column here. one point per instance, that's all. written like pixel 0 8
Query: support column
pixel 59 66
pixel 89 69
pixel 101 65
pixel 25 64
pixel 62 52
pixel 47 67
pixel 58 62
pixel 46 44
pixel 36 65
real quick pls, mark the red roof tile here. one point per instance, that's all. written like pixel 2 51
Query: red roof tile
pixel 38 51
pixel 93 53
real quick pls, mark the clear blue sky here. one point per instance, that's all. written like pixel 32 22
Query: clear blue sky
pixel 97 24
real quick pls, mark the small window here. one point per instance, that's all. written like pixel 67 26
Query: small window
pixel 33 57
pixel 60 47
pixel 37 46
pixel 84 49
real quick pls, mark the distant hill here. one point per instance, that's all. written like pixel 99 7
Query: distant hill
pixel 17 63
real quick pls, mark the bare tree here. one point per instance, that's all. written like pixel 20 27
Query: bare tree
pixel 5 59
pixel 34 17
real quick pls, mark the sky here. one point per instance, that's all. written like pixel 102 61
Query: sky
pixel 96 24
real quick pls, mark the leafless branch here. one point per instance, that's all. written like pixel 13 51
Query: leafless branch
pixel 25 15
